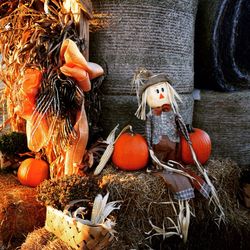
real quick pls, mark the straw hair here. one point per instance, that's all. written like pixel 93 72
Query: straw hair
pixel 173 96
pixel 139 81
pixel 141 111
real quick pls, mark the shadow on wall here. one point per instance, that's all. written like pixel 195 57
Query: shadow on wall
pixel 222 52
pixel 222 45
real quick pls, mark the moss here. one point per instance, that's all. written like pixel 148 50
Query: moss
pixel 59 192
pixel 13 144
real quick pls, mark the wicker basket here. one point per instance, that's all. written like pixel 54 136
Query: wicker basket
pixel 74 233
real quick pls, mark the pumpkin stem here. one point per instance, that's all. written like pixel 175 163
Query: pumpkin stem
pixel 38 156
pixel 131 130
pixel 189 128
pixel 128 127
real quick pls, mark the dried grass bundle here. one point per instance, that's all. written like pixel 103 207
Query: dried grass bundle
pixel 37 239
pixel 31 35
pixel 20 213
pixel 41 239
pixel 57 244
pixel 7 6
pixel 146 197
pixel 58 193
pixel 32 39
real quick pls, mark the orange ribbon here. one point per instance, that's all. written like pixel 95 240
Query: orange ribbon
pixel 76 66
pixel 31 82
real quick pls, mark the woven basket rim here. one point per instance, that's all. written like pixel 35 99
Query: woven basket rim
pixel 75 233
pixel 61 212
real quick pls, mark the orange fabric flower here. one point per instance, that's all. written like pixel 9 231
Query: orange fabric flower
pixel 76 66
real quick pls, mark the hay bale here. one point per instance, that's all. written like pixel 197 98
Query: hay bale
pixel 142 193
pixel 41 239
pixel 226 118
pixel 204 233
pixel 157 35
pixel 114 107
pixel 37 239
pixel 20 213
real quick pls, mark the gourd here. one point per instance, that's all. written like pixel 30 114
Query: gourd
pixel 130 152
pixel 201 144
pixel 32 172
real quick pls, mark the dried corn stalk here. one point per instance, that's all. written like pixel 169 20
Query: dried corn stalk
pixel 31 36
pixel 180 227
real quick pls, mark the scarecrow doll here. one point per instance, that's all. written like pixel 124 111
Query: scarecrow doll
pixel 164 126
pixel 161 128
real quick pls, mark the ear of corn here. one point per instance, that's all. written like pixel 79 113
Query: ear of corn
pixel 104 159
pixel 100 212
pixel 108 152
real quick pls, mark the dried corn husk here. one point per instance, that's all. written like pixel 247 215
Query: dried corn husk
pixel 108 152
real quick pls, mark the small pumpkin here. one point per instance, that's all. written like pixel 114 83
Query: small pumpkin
pixel 201 144
pixel 32 172
pixel 130 152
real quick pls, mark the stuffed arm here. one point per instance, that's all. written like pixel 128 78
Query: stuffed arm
pixel 149 131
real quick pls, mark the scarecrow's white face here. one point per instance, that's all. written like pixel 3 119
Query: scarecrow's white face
pixel 157 95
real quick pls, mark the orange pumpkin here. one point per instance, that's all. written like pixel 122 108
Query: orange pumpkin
pixel 32 172
pixel 201 144
pixel 130 152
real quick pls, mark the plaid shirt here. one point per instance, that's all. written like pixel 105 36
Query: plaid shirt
pixel 186 194
pixel 158 125
pixel 205 190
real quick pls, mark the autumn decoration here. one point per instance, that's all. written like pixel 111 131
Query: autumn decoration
pixel 80 232
pixel 130 152
pixel 164 125
pixel 51 105
pixel 32 172
pixel 77 211
pixel 201 144
pixel 46 74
